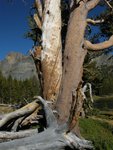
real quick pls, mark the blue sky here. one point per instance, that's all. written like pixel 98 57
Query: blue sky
pixel 13 25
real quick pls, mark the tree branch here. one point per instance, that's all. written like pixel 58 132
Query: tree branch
pixel 92 3
pixel 96 47
pixel 26 110
pixel 108 4
pixel 50 118
pixel 94 22
pixel 38 22
pixel 39 7
pixel 16 135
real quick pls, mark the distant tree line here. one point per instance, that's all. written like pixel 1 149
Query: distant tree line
pixel 101 78
pixel 17 91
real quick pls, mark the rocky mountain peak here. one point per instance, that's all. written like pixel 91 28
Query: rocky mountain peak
pixel 13 57
pixel 17 65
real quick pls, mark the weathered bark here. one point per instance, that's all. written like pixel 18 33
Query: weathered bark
pixel 71 96
pixel 51 58
pixel 31 118
pixel 38 4
pixel 16 124
pixel 37 20
pixel 74 55
pixel 91 4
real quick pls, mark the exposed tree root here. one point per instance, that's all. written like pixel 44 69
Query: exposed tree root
pixel 25 115
pixel 5 136
pixel 54 137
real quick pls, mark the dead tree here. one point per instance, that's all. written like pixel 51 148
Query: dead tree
pixel 54 137
pixel 48 60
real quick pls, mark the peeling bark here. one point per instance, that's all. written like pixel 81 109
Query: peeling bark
pixel 51 57
pixel 5 136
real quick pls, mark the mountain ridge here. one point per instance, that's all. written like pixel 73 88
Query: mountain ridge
pixel 18 66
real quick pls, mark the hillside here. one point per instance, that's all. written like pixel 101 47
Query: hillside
pixel 19 66
pixel 104 60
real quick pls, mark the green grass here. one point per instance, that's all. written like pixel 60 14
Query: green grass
pixel 103 103
pixel 103 107
pixel 98 132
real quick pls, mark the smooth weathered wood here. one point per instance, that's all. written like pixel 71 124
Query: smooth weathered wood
pixel 51 55
pixel 49 139
pixel 16 124
pixel 39 7
pixel 16 135
pixel 26 110
pixel 38 22
pixel 31 118
pixel 50 118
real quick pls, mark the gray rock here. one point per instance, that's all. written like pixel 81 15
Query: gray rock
pixel 104 60
pixel 19 66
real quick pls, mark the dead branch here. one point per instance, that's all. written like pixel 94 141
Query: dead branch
pixel 38 4
pixel 94 22
pixel 16 135
pixel 16 124
pixel 31 118
pixel 77 108
pixel 96 47
pixel 6 105
pixel 48 140
pixel 107 2
pixel 36 55
pixel 26 110
pixel 38 22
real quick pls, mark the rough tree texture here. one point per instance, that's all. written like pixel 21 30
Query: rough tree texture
pixel 51 58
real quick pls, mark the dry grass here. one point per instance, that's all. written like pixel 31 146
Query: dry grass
pixel 5 109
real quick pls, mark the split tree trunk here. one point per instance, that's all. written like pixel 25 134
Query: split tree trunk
pixel 74 55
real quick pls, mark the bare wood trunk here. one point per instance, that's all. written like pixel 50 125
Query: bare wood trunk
pixel 51 57
pixel 4 136
pixel 74 55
